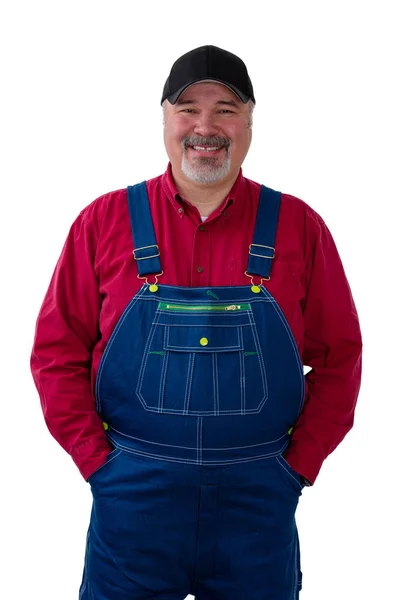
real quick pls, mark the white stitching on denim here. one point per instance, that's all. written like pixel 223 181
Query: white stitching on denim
pixel 163 377
pixel 285 435
pixel 185 397
pixel 201 440
pixel 217 380
pixel 225 315
pixel 191 325
pixel 192 373
pixel 226 412
pixel 111 342
pixel 295 349
pixel 213 355
pixel 185 410
pixel 143 366
pixel 244 300
pixel 195 461
pixel 242 378
pixel 202 349
pixel 189 380
pixel 290 335
pixel 283 465
pixel 243 288
pixel 199 431
pixel 110 457
pixel 216 391
pixel 204 413
pixel 260 357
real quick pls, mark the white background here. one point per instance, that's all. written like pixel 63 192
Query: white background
pixel 81 86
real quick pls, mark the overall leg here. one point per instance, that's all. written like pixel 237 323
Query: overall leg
pixel 141 539
pixel 257 551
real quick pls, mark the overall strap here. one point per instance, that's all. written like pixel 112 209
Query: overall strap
pixel 262 250
pixel 146 252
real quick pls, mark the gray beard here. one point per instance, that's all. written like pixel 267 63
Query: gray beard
pixel 207 170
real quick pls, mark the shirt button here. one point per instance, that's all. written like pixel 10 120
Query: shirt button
pixel 200 269
pixel 202 228
pixel 180 210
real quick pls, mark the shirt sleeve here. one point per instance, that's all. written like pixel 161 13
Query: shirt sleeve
pixel 333 349
pixel 66 332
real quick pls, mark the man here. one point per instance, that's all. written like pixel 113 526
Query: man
pixel 169 358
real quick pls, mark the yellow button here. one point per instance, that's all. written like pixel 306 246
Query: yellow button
pixel 204 341
pixel 153 287
pixel 290 431
pixel 105 425
pixel 255 289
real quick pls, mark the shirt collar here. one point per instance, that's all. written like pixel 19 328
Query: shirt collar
pixel 181 205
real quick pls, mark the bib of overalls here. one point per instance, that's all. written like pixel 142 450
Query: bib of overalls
pixel 201 375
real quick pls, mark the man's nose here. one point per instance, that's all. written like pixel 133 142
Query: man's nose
pixel 206 125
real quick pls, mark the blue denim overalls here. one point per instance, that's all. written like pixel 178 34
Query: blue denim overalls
pixel 199 389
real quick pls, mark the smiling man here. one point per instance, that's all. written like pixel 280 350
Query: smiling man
pixel 207 135
pixel 169 355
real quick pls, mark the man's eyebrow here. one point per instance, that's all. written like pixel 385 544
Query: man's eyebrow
pixel 180 101
pixel 228 103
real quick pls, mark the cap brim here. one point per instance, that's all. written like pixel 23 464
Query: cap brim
pixel 172 98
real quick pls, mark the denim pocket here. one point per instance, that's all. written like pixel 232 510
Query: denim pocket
pixel 105 466
pixel 292 476
pixel 199 362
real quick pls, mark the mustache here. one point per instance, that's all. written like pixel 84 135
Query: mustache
pixel 197 140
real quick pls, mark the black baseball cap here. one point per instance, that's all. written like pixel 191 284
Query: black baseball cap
pixel 208 63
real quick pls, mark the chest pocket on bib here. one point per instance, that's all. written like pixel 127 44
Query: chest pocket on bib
pixel 203 360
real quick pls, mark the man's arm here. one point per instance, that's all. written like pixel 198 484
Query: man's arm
pixel 66 332
pixel 332 348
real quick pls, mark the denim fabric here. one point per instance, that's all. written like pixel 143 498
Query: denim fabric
pixel 199 389
pixel 162 530
pixel 165 394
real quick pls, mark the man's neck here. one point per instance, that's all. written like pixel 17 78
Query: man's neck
pixel 206 197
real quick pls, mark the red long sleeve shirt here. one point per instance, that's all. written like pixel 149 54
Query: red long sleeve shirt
pixel 96 276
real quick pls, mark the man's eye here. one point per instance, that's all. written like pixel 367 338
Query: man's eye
pixel 226 110
pixel 188 110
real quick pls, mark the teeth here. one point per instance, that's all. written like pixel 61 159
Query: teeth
pixel 204 149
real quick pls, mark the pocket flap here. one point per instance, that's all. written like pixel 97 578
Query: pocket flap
pixel 203 339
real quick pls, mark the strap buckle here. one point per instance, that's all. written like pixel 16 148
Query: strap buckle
pixel 261 255
pixel 144 248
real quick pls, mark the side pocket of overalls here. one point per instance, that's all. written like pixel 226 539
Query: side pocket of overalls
pixel 105 466
pixel 292 476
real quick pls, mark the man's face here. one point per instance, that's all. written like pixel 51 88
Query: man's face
pixel 207 133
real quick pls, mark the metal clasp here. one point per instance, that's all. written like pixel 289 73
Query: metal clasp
pixel 156 276
pixel 262 278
